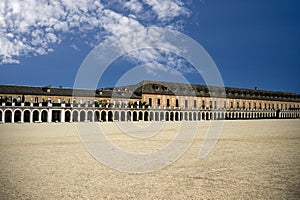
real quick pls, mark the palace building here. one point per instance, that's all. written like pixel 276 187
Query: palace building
pixel 145 101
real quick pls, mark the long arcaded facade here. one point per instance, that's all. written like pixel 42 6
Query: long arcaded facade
pixel 145 101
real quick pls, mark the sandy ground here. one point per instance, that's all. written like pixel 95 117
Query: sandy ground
pixel 256 159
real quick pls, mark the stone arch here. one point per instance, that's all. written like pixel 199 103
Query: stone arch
pixel 17 115
pixel 171 116
pixel 194 116
pixel 96 116
pixel 162 116
pixel 103 115
pixel 110 116
pixel 167 116
pixel 82 116
pixel 116 116
pixel 176 116
pixel 134 116
pixel 90 115
pixel 8 116
pixel 123 116
pixel 75 116
pixel 26 115
pixel 140 115
pixel 146 116
pixel 44 116
pixel 67 116
pixel 151 116
pixel 156 116
pixel 35 115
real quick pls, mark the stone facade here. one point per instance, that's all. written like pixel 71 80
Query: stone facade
pixel 147 100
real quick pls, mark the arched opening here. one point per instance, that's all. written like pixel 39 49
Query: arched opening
pixel 186 116
pixel 8 116
pixel 35 116
pixel 90 116
pixel 110 116
pixel 96 116
pixel 56 115
pixel 67 116
pixel 156 116
pixel 162 116
pixel 17 117
pixel 203 116
pixel 0 115
pixel 190 116
pixel 207 116
pixel 26 116
pixel 176 116
pixel 194 116
pixel 171 116
pixel 199 116
pixel 116 115
pixel 181 116
pixel 134 116
pixel 140 115
pixel 82 116
pixel 103 116
pixel 167 116
pixel 75 116
pixel 122 116
pixel 146 116
pixel 128 116
pixel 151 116
pixel 44 116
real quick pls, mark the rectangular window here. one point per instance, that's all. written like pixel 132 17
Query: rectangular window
pixel 58 100
pixel 203 104
pixel 210 104
pixel 215 104
pixel 186 103
pixel 195 103
pixel 168 102
pixel 9 98
pixel 244 105
pixel 19 99
pixel 238 104
pixel 231 104
pixel 150 101
pixel 177 103
pixel 254 105
pixel 224 104
pixel 36 99
pixel 158 102
pixel 259 105
pixel 249 106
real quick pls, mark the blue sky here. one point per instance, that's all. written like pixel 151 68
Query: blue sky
pixel 253 43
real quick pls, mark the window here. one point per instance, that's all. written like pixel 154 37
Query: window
pixel 168 102
pixel 238 104
pixel 259 105
pixel 9 98
pixel 224 104
pixel 158 102
pixel 186 103
pixel 74 101
pixel 36 99
pixel 231 104
pixel 19 99
pixel 203 104
pixel 215 104
pixel 195 103
pixel 150 101
pixel 254 105
pixel 49 100
pixel 244 105
pixel 177 103
pixel 210 104
pixel 58 100
pixel 249 106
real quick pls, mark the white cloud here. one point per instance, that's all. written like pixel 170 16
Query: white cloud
pixel 36 27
